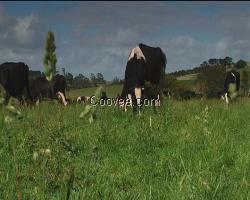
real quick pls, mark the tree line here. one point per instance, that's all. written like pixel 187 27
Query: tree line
pixel 75 82
pixel 203 66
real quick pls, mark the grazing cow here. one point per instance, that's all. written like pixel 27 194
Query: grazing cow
pixel 231 85
pixel 145 63
pixel 41 88
pixel 59 83
pixel 14 78
pixel 82 99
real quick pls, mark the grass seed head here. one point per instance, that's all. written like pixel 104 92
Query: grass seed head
pixel 35 155
pixel 8 119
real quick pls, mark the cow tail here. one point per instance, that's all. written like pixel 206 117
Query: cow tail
pixel 162 79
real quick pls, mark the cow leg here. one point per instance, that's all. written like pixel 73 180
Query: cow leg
pixel 226 98
pixel 37 102
pixel 158 101
pixel 130 102
pixel 138 97
pixel 6 98
pixel 21 100
pixel 61 97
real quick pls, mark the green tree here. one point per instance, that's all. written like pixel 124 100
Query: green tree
pixel 69 80
pixel 50 59
pixel 100 78
pixel 228 60
pixel 240 64
pixel 93 79
pixel 211 81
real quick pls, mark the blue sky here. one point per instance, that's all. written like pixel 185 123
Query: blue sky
pixel 96 37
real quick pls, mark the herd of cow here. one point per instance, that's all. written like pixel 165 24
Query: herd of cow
pixel 145 64
pixel 14 78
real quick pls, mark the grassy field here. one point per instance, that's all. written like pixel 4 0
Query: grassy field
pixel 111 90
pixel 188 81
pixel 190 150
pixel 187 77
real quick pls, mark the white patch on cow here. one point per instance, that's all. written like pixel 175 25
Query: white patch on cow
pixel 138 95
pixel 62 97
pixel 79 99
pixel 37 102
pixel 128 102
pixel 138 98
pixel 158 101
pixel 87 98
pixel 136 51
pixel 226 97
pixel 233 76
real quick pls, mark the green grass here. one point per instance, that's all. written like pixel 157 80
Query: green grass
pixel 187 84
pixel 192 150
pixel 111 90
pixel 187 77
pixel 188 81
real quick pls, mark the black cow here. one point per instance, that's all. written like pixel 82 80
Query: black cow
pixel 41 88
pixel 14 78
pixel 59 84
pixel 145 63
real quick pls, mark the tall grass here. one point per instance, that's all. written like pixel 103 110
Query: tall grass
pixel 192 150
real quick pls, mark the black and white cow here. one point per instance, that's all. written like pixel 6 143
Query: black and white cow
pixel 232 79
pixel 145 64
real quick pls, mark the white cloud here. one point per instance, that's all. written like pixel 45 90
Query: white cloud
pixel 25 29
pixel 101 35
pixel 123 37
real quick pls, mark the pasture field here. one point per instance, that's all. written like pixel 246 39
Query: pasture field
pixel 111 90
pixel 187 77
pixel 190 150
pixel 188 81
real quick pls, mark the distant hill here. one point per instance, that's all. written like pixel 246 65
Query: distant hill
pixel 205 65
pixel 187 78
